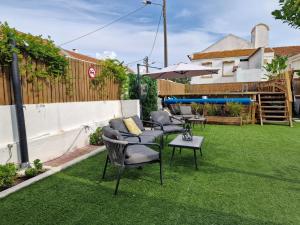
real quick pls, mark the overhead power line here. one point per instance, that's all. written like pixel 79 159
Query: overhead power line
pixel 155 37
pixel 104 26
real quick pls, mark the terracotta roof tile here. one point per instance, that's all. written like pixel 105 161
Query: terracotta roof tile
pixel 223 54
pixel 287 51
pixel 82 57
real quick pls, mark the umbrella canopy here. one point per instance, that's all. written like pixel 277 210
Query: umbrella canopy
pixel 182 70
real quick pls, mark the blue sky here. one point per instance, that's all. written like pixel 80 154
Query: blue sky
pixel 192 25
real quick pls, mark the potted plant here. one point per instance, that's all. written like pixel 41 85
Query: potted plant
pixel 96 137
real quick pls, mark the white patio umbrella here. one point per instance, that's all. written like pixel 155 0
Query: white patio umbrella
pixel 182 70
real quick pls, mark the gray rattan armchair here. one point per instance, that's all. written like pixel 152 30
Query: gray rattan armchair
pixel 124 154
pixel 164 120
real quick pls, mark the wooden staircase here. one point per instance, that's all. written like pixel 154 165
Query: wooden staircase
pixel 275 101
pixel 273 108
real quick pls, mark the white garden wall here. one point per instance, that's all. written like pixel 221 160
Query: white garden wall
pixel 53 129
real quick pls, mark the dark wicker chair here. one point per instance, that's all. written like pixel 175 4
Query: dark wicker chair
pixel 166 124
pixel 147 136
pixel 124 154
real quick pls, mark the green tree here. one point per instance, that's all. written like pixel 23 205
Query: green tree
pixel 149 93
pixel 276 67
pixel 289 12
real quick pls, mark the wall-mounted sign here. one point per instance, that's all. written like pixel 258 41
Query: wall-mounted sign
pixel 92 72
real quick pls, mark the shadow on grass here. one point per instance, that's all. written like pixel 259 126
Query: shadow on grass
pixel 213 168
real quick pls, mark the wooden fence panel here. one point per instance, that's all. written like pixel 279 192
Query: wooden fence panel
pixel 78 88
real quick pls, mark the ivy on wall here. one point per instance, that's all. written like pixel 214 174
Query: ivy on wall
pixel 112 68
pixel 149 93
pixel 32 48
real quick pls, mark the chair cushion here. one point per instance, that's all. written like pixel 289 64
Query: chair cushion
pixel 140 154
pixel 118 124
pixel 132 127
pixel 172 129
pixel 144 139
pixel 155 133
pixel 186 110
pixel 138 122
pixel 160 117
pixel 112 134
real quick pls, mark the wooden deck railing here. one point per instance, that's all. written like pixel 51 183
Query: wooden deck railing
pixel 170 88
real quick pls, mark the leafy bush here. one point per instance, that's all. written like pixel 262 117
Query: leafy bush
pixel 276 67
pixel 112 68
pixel 197 108
pixel 234 109
pixel 96 137
pixel 38 165
pixel 149 94
pixel 212 110
pixel 35 170
pixel 8 174
pixel 31 172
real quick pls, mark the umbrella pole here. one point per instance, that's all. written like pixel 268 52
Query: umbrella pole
pixel 139 89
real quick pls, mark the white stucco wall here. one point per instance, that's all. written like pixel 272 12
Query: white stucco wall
pixel 294 62
pixel 249 75
pixel 260 36
pixel 53 129
pixel 256 60
pixel 230 42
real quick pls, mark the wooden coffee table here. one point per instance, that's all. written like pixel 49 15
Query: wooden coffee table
pixel 195 145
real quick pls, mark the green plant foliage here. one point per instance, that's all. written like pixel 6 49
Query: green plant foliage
pixel 35 170
pixel 33 48
pixel 233 109
pixel 289 12
pixel 38 164
pixel 149 94
pixel 96 137
pixel 8 174
pixel 112 68
pixel 276 67
pixel 212 110
pixel 31 172
pixel 197 108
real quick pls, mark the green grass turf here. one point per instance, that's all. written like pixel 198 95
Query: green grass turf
pixel 247 175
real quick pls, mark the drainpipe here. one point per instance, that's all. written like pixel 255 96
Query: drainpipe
pixel 16 84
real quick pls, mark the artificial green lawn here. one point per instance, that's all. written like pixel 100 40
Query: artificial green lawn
pixel 247 175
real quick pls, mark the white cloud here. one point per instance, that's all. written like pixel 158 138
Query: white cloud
pixel 184 13
pixel 106 55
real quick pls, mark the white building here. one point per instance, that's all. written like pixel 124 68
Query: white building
pixel 240 60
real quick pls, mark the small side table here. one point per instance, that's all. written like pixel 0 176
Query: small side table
pixel 195 145
pixel 200 120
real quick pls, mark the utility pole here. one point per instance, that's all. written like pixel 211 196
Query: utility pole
pixel 146 63
pixel 165 34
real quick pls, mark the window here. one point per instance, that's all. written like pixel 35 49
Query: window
pixel 207 64
pixel 228 68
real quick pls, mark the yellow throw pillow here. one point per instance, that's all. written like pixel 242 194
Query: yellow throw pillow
pixel 132 127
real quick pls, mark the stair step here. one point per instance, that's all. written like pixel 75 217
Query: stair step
pixel 275 121
pixel 272 97
pixel 273 102
pixel 273 106
pixel 272 116
pixel 274 111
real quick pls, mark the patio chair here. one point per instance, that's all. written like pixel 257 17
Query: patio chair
pixel 165 123
pixel 186 111
pixel 147 136
pixel 123 154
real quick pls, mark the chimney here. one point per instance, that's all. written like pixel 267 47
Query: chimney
pixel 260 36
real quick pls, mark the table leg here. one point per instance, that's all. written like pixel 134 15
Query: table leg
pixel 195 158
pixel 180 150
pixel 172 156
pixel 201 151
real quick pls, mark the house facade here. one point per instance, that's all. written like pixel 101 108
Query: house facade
pixel 240 60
